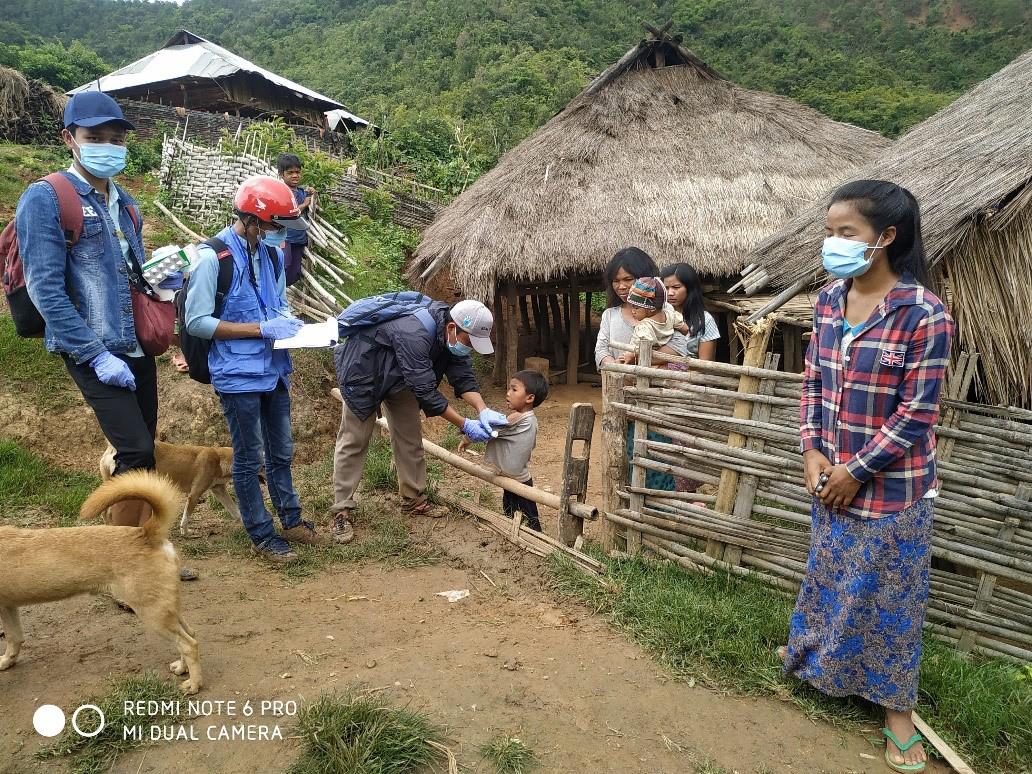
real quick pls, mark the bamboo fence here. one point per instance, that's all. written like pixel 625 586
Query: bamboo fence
pixel 202 182
pixel 737 427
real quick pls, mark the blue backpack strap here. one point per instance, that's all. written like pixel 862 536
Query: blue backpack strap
pixel 429 323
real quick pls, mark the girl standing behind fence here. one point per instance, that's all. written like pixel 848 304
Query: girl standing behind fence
pixel 684 293
pixel 874 370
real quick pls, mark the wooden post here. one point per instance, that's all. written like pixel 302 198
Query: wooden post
pixel 727 492
pixel 586 344
pixel 575 470
pixel 524 313
pixel 792 339
pixel 641 431
pixel 512 333
pixel 614 452
pixel 749 483
pixel 558 335
pixel 498 375
pixel 574 350
pixel 543 328
pixel 733 342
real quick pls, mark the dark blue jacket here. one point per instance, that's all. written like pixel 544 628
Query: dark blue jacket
pixel 387 358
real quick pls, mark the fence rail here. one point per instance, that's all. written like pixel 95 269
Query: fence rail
pixel 737 427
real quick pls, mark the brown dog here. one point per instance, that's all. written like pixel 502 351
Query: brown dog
pixel 137 564
pixel 194 469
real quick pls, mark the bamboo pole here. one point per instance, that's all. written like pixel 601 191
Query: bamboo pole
pixel 178 223
pixel 939 744
pixel 581 510
pixel 536 542
pixel 614 454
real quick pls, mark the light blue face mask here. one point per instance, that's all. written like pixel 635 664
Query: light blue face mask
pixel 458 348
pixel 274 238
pixel 102 159
pixel 844 258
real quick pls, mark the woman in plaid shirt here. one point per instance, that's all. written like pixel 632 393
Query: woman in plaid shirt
pixel 874 370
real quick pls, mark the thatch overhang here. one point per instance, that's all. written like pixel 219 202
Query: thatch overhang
pixel 661 152
pixel 970 167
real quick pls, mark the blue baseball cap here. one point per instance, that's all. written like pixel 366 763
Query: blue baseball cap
pixel 92 108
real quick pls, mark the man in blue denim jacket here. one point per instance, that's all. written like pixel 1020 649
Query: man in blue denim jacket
pixel 83 292
pixel 251 376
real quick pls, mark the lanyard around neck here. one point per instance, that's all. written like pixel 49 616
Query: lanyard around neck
pixel 250 272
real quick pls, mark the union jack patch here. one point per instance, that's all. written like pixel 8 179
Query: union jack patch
pixel 893 357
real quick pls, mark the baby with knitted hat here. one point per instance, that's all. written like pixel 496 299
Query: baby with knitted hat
pixel 657 319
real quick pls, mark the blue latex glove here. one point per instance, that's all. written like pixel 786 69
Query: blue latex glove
pixel 174 281
pixel 489 417
pixel 473 430
pixel 113 371
pixel 280 327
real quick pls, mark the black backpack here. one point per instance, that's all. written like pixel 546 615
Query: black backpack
pixel 195 349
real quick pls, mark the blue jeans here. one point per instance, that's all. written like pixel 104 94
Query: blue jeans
pixel 259 424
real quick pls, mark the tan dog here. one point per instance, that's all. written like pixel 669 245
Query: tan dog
pixel 194 469
pixel 137 564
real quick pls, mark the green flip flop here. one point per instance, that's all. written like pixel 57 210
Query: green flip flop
pixel 903 767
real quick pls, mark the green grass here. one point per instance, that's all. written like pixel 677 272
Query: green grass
pixel 34 493
pixel 724 632
pixel 360 734
pixel 92 755
pixel 508 754
pixel 451 439
pixel 27 367
pixel 386 541
pixel 380 475
pixel 21 164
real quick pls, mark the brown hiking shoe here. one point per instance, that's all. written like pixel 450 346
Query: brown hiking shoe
pixel 304 534
pixel 275 550
pixel 343 531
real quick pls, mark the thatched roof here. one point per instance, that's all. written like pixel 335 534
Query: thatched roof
pixel 675 159
pixel 970 167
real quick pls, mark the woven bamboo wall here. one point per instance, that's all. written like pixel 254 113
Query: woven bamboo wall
pixel 737 427
pixel 202 182
pixel 151 118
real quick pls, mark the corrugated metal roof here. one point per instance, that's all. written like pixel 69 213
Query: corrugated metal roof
pixel 187 55
pixel 334 118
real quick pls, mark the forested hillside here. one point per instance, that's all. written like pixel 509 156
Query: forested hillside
pixel 501 67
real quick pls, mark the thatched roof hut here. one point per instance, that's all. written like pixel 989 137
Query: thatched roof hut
pixel 660 151
pixel 970 167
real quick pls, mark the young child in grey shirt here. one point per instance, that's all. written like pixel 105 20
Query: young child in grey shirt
pixel 509 453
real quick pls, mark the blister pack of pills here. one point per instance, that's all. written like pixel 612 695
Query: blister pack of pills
pixel 163 261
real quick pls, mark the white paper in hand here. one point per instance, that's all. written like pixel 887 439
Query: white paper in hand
pixel 311 335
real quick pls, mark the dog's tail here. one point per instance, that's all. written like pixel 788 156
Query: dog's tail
pixel 157 491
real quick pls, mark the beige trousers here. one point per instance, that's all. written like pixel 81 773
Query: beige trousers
pixel 402 413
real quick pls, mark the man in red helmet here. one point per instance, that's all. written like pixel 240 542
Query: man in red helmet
pixel 249 375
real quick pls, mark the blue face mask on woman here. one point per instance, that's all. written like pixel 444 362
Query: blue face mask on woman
pixel 102 159
pixel 844 258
